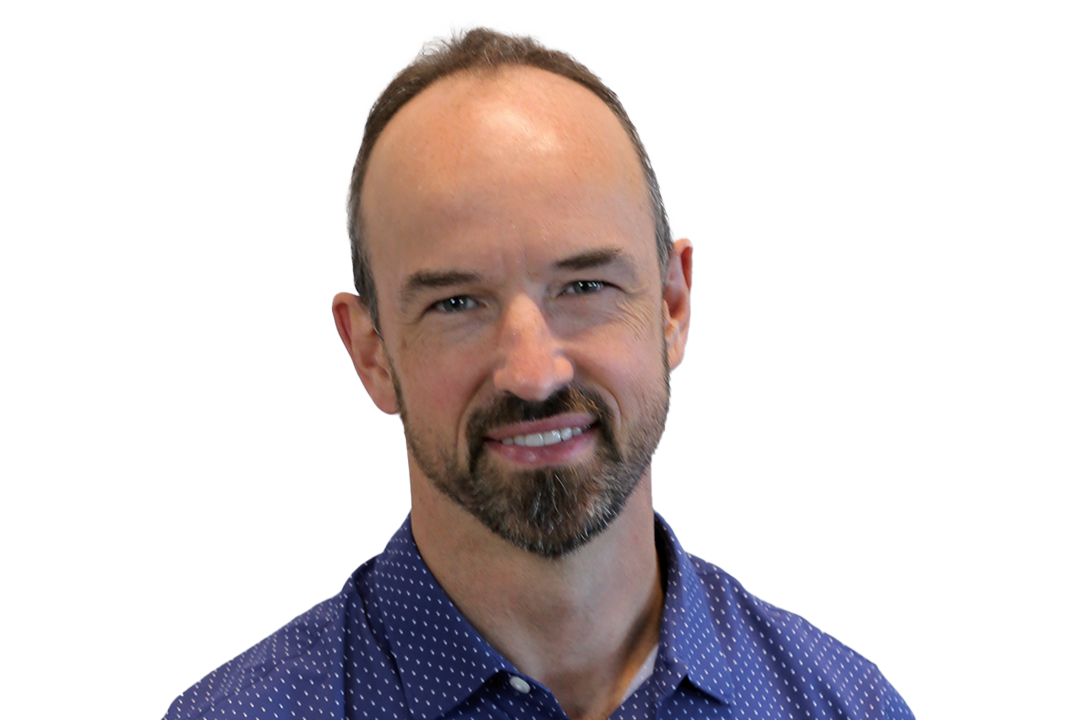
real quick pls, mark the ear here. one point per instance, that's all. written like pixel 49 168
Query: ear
pixel 677 301
pixel 366 348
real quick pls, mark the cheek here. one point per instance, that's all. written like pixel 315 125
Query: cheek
pixel 643 322
pixel 438 385
pixel 637 339
pixel 628 364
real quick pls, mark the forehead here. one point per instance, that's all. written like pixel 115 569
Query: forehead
pixel 499 153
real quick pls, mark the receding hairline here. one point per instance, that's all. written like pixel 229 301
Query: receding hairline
pixel 481 49
pixel 489 77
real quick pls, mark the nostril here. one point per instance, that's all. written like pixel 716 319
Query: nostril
pixel 533 378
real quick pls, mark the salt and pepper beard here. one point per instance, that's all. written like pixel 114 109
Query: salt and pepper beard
pixel 549 511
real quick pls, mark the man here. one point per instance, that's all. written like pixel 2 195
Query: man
pixel 520 304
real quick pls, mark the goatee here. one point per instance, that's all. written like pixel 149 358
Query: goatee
pixel 553 510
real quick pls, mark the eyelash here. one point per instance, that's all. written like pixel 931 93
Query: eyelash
pixel 461 303
pixel 578 287
pixel 444 306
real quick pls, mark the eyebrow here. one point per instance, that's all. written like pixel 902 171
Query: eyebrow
pixel 434 279
pixel 591 259
pixel 428 279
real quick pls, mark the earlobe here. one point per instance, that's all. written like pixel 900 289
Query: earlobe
pixel 677 301
pixel 367 350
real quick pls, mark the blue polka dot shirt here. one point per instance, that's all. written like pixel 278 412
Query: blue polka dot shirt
pixel 392 646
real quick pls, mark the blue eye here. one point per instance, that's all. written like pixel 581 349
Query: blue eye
pixel 455 304
pixel 584 287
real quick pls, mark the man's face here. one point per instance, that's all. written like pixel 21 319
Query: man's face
pixel 520 302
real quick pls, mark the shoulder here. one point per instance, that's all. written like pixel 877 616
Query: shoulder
pixel 300 664
pixel 764 641
pixel 740 611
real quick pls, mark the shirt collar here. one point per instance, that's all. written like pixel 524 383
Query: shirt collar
pixel 413 605
pixel 689 645
pixel 435 683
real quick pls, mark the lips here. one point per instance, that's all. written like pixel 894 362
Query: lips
pixel 558 440
pixel 545 432
pixel 550 437
pixel 553 431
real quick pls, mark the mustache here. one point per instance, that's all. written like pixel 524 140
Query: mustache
pixel 508 409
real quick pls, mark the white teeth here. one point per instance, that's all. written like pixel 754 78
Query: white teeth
pixel 550 437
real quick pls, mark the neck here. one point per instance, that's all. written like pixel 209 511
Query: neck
pixel 581 624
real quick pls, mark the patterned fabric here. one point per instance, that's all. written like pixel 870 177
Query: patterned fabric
pixel 392 645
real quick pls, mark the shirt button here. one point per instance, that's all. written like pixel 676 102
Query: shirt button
pixel 519 684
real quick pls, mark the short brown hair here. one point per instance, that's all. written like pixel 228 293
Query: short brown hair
pixel 478 49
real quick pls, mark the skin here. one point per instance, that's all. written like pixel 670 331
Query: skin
pixel 500 178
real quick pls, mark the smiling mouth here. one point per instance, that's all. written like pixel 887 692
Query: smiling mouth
pixel 563 428
pixel 549 437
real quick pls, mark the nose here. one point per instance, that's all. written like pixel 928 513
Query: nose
pixel 531 364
